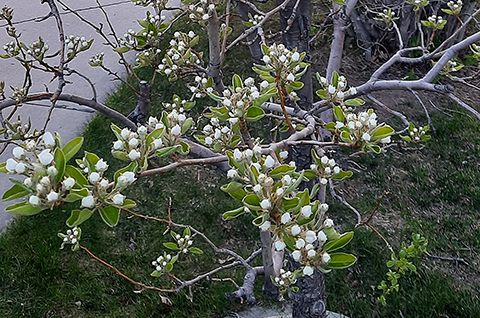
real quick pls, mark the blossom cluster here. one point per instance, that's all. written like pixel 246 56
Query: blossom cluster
pixel 161 262
pixel 200 12
pixel 220 137
pixel 285 64
pixel 455 7
pixel 180 56
pixel 326 170
pixel 435 22
pixel 76 44
pixel 72 237
pixel 336 91
pixel 97 59
pixel 35 161
pixel 37 49
pixel 11 49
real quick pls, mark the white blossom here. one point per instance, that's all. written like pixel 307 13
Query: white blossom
pixel 265 226
pixel 279 245
pixel 265 204
pixel 118 199
pixel 101 165
pixel 296 230
pixel 366 137
pixel 94 177
pixel 20 168
pixel 300 243
pixel 52 171
pixel 296 255
pixel 237 155
pixel 331 89
pixel 52 196
pixel 27 182
pixel 257 149
pixel 312 253
pixel 34 200
pixel 306 211
pixel 266 59
pixel 308 271
pixel 286 218
pixel 133 142
pixel 45 157
pixel 176 130
pixel 385 140
pixel 125 133
pixel 269 162
pixel 103 184
pixel 310 236
pixel 326 258
pixel 133 154
pixel 88 201
pixel 68 183
pixel 232 173
pixel 118 145
pixel 48 139
pixel 328 223
pixel 208 140
pixel 321 237
pixel 142 130
pixel 295 57
pixel 18 152
pixel 290 77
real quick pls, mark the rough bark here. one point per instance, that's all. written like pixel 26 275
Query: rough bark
pixel 374 36
pixel 214 48
pixel 253 39
pixel 310 300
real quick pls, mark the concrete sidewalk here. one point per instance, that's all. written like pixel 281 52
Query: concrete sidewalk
pixel 69 123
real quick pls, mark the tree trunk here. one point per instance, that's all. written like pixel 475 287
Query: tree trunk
pixel 375 39
pixel 310 300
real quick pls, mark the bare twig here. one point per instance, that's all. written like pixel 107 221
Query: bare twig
pixel 430 122
pixel 344 202
pixel 393 112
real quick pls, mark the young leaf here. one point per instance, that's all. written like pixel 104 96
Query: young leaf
pixel 341 260
pixel 233 213
pixel 343 240
pixel 78 217
pixel 72 147
pixel 110 215
pixel 23 208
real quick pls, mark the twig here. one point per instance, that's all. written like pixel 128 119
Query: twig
pixel 430 122
pixel 454 259
pixel 376 208
pixel 143 286
pixel 464 105
pixel 391 111
pixel 227 25
pixel 185 162
pixel 344 202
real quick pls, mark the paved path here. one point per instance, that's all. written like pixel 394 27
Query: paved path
pixel 260 312
pixel 69 123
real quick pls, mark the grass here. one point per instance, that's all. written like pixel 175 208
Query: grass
pixel 434 191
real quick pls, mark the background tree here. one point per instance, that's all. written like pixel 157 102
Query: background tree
pixel 289 218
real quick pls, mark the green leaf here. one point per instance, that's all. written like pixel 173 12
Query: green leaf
pixel 195 250
pixel 335 79
pixel 78 217
pixel 122 155
pixel 110 215
pixel 237 82
pixel 252 201
pixel 254 113
pixel 339 115
pixel 322 94
pixel 60 164
pixel 3 167
pixel 166 151
pixel 341 260
pixel 187 232
pixel 342 175
pixel 354 102
pixel 171 246
pixel 23 208
pixel 406 138
pixel 339 2
pixel 123 49
pixel 263 98
pixel 156 274
pixel 382 132
pixel 232 187
pixel 76 195
pixel 290 203
pixel 76 174
pixel 296 85
pixel 72 147
pixel 239 195
pixel 15 192
pixel 128 204
pixel 280 171
pixel 233 213
pixel 343 240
